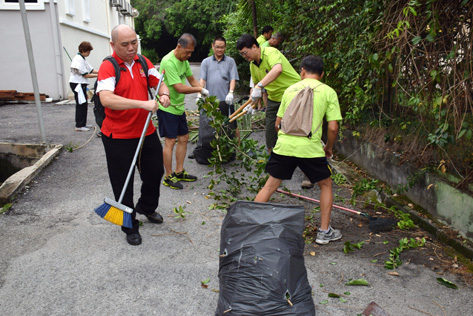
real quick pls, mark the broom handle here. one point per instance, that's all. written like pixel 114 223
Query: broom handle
pixel 145 128
pixel 314 200
pixel 240 108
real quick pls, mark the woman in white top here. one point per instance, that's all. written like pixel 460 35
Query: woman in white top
pixel 80 71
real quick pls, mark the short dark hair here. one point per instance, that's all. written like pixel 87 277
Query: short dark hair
pixel 313 64
pixel 220 38
pixel 85 47
pixel 187 39
pixel 267 28
pixel 246 40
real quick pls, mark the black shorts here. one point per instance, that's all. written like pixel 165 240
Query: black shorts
pixel 171 125
pixel 282 167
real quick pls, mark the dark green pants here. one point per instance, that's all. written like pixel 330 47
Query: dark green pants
pixel 271 134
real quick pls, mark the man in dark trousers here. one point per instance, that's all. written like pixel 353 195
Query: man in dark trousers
pixel 218 74
pixel 126 107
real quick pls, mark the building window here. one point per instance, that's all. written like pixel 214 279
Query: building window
pixel 86 10
pixel 70 8
pixel 29 4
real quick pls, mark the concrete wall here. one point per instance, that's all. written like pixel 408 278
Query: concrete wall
pixel 433 193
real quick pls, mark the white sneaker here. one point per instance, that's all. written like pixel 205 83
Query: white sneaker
pixel 82 129
pixel 331 235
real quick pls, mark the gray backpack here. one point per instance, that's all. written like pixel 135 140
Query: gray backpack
pixel 297 120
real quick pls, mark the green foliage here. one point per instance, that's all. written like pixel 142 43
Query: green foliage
pixel 394 260
pixel 348 246
pixel 248 175
pixel 363 186
pixel 5 208
pixel 161 22
pixel 180 212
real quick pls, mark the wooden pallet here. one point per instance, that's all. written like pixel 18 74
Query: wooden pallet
pixel 13 95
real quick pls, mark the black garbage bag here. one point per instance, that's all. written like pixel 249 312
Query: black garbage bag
pixel 262 269
pixel 203 150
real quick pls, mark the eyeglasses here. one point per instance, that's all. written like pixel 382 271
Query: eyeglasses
pixel 244 53
pixel 219 47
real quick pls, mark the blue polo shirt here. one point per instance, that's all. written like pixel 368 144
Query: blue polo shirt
pixel 218 75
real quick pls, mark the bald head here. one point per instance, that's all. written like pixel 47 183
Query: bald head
pixel 120 29
pixel 124 42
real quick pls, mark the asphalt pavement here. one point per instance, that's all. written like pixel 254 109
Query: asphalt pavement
pixel 59 258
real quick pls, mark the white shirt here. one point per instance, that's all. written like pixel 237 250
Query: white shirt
pixel 79 68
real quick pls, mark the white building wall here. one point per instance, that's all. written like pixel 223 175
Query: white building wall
pixel 54 27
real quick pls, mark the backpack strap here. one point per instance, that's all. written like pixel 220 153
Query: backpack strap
pixel 144 64
pixel 114 62
pixel 320 124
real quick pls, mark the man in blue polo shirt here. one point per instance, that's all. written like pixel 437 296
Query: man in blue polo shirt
pixel 218 74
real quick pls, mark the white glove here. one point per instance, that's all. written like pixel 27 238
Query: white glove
pixel 229 98
pixel 198 98
pixel 205 92
pixel 256 94
pixel 249 109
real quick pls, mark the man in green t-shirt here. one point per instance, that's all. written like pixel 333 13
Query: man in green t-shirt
pixel 271 70
pixel 172 120
pixel 275 40
pixel 265 34
pixel 304 152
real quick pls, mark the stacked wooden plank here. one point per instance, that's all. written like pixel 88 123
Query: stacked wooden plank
pixel 13 95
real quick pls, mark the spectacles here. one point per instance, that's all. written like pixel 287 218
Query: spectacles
pixel 245 52
pixel 219 47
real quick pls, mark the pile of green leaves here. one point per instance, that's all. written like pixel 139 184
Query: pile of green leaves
pixel 246 173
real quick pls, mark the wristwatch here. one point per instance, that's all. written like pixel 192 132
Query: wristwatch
pixel 231 91
pixel 260 85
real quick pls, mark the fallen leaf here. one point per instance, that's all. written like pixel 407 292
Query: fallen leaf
pixel 360 225
pixel 430 185
pixel 312 253
pixel 188 202
pixel 333 295
pixel 447 283
pixel 358 282
pixel 393 273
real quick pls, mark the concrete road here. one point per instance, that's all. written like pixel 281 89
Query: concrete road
pixel 59 258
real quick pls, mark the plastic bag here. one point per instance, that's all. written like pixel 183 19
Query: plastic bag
pixel 262 269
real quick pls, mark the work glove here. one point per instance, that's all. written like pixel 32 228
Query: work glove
pixel 198 98
pixel 256 94
pixel 229 98
pixel 249 109
pixel 205 92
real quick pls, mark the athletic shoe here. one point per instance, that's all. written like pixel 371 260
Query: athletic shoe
pixel 172 182
pixel 331 235
pixel 306 184
pixel 184 176
pixel 82 129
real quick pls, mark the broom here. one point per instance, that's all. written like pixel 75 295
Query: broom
pixel 116 212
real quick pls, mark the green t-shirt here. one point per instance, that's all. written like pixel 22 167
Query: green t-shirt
pixel 261 39
pixel 175 71
pixel 325 104
pixel 265 44
pixel 270 57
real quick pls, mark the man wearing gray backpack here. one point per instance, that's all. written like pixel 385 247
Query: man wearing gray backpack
pixel 307 151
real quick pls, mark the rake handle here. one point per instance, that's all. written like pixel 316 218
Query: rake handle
pixel 240 108
pixel 314 200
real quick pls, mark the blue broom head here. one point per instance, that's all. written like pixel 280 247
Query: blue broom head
pixel 114 215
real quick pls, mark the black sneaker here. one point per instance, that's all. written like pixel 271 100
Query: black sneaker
pixel 172 182
pixel 184 176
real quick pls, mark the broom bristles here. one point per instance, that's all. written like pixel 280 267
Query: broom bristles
pixel 114 215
